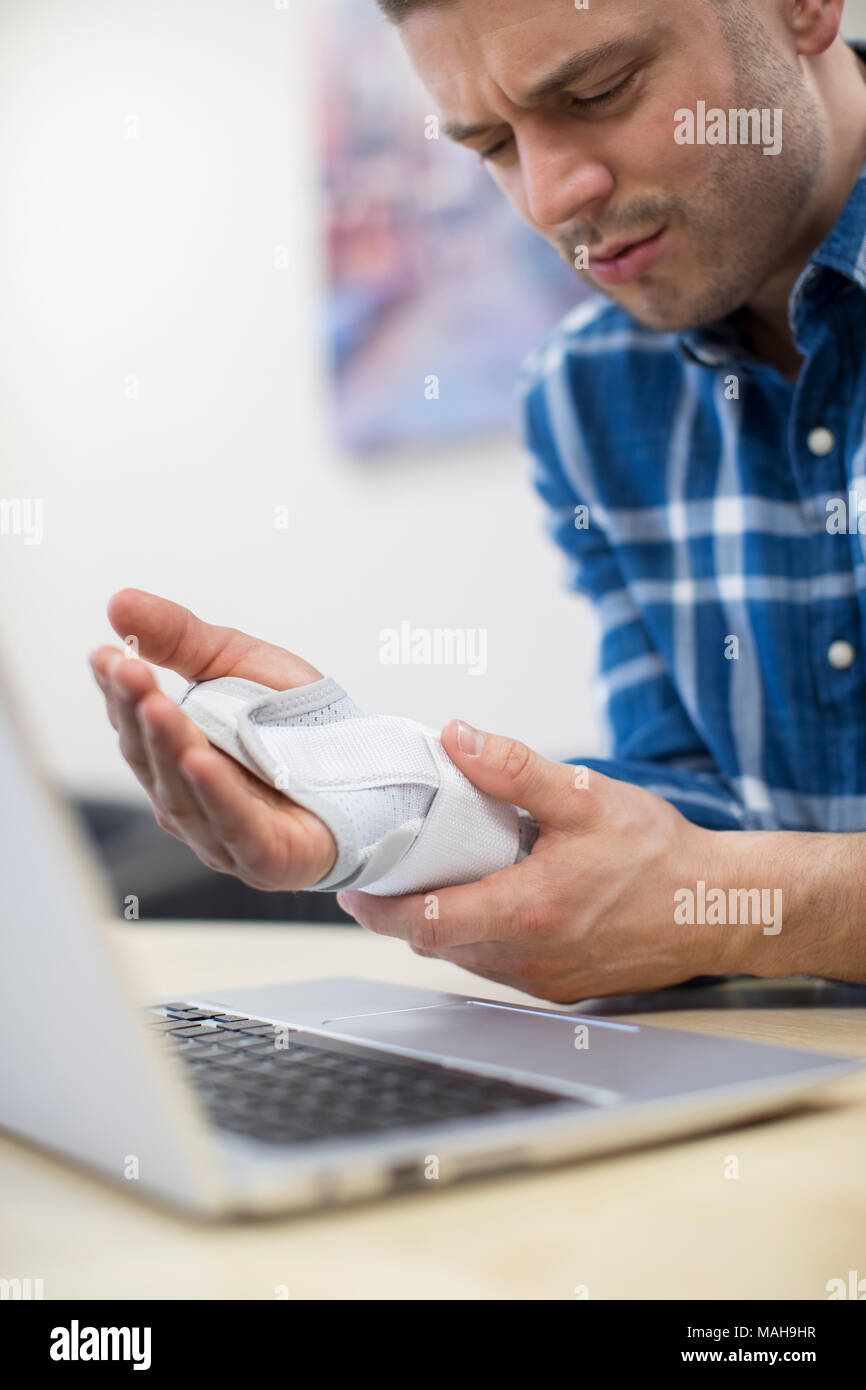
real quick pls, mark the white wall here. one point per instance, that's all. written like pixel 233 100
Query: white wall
pixel 152 258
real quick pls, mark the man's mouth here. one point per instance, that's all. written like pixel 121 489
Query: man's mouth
pixel 627 260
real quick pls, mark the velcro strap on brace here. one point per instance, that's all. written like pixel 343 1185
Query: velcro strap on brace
pixel 403 817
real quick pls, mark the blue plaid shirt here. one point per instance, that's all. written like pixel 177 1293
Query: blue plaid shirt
pixel 720 545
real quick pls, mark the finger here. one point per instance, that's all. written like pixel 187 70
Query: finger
pixel 130 682
pixel 268 838
pixel 509 770
pixel 101 664
pixel 167 734
pixel 496 908
pixel 169 635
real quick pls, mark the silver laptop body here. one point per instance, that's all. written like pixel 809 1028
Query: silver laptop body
pixel 325 1090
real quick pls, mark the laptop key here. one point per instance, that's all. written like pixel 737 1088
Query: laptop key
pixel 302 1093
pixel 195 1030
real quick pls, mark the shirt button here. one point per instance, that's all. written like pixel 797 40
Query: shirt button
pixel 841 655
pixel 821 441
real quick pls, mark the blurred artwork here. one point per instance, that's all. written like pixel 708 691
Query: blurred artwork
pixel 435 288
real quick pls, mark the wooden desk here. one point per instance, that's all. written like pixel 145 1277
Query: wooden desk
pixel 662 1223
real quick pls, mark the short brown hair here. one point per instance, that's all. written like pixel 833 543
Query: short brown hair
pixel 398 10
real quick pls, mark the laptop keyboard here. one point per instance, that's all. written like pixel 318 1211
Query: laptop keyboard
pixel 285 1086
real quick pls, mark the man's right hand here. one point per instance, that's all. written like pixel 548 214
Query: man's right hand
pixel 234 823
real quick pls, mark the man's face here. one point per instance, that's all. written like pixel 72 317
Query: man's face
pixel 572 110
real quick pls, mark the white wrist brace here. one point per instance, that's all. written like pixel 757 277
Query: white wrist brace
pixel 404 818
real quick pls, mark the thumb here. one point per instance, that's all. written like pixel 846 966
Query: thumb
pixel 169 635
pixel 509 770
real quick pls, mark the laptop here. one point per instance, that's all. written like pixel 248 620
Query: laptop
pixel 296 1095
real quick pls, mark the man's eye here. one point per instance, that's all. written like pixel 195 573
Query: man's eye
pixel 572 103
pixel 495 149
pixel 585 102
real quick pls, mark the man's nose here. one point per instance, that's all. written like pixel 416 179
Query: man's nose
pixel 562 177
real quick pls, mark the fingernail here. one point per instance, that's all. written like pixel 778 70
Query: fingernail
pixel 469 740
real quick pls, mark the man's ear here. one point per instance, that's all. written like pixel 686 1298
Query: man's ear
pixel 814 24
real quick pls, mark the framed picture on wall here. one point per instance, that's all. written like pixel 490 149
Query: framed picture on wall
pixel 435 288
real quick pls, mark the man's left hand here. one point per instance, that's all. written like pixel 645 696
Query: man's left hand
pixel 591 910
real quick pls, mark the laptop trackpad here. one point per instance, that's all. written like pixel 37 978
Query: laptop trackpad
pixel 528 1046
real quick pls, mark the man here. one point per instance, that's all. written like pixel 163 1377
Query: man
pixel 695 434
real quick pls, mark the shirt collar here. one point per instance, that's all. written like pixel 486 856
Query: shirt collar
pixel 843 250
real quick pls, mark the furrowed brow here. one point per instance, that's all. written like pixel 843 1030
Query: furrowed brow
pixel 575 68
pixel 569 71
